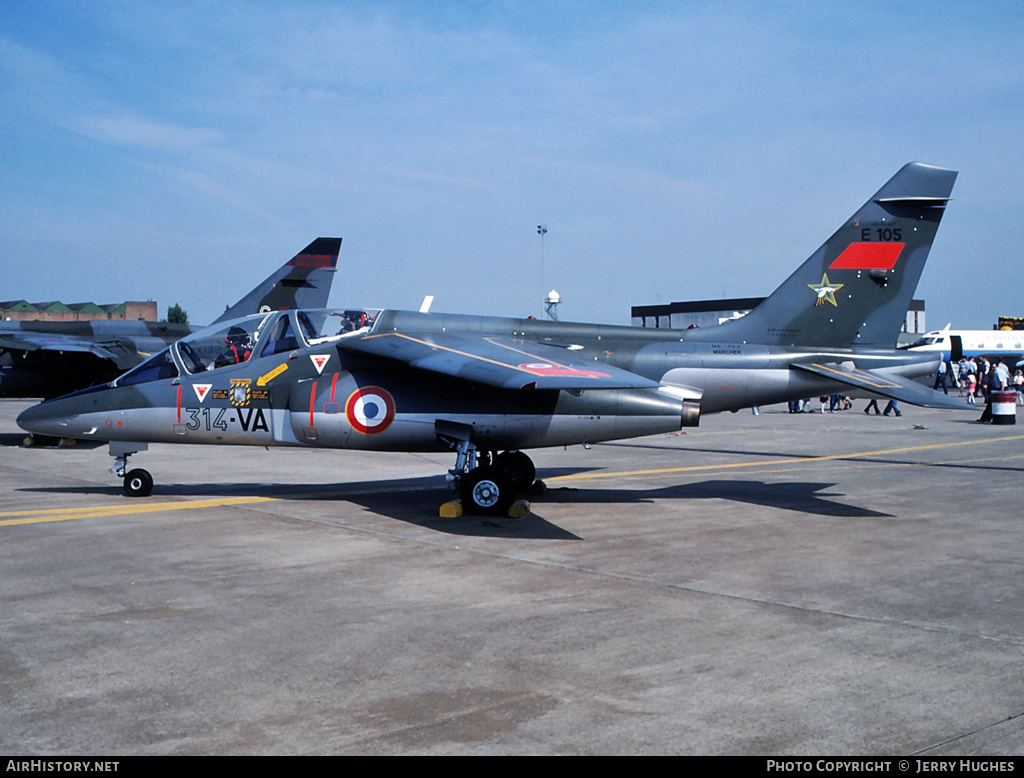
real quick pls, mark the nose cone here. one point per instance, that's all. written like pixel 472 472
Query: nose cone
pixel 51 417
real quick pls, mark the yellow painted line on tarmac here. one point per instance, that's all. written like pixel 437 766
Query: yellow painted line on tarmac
pixel 67 514
pixel 789 461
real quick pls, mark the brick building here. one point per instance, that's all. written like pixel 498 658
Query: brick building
pixel 130 310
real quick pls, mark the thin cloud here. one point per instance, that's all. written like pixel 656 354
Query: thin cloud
pixel 142 133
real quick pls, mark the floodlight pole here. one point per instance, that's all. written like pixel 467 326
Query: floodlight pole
pixel 542 230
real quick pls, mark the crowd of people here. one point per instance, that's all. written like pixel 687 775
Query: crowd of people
pixel 978 377
pixel 973 377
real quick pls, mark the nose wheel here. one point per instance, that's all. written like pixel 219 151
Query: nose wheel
pixel 138 483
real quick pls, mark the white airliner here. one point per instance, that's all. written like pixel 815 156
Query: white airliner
pixel 1007 345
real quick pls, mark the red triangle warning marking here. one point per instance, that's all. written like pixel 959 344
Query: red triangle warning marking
pixel 319 360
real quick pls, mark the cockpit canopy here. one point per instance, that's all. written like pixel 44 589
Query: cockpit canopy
pixel 251 337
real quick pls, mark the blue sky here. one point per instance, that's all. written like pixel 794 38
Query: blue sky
pixel 181 151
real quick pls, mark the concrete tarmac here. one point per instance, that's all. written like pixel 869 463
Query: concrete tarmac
pixel 777 584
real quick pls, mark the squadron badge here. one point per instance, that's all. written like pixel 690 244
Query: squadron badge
pixel 826 291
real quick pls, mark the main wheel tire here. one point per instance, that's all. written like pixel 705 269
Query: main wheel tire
pixel 138 483
pixel 518 468
pixel 486 490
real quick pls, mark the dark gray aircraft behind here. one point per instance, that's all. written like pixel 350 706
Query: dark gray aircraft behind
pixel 47 359
pixel 486 387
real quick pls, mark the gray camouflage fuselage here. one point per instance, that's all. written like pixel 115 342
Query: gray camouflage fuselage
pixel 401 380
pixel 281 390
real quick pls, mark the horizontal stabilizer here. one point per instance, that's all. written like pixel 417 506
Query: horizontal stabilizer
pixel 495 361
pixel 892 386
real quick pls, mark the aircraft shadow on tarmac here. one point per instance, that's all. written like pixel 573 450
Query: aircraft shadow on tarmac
pixel 17 440
pixel 877 460
pixel 801 496
pixel 416 500
pixel 410 500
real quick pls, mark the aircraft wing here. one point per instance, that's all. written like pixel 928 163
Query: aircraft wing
pixel 503 362
pixel 118 351
pixel 892 386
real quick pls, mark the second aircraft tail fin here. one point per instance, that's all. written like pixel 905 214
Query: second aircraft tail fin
pixel 304 281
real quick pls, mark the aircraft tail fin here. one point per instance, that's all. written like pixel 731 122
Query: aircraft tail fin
pixel 304 281
pixel 856 288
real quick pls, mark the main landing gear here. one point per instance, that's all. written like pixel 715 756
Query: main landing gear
pixel 487 482
pixel 137 482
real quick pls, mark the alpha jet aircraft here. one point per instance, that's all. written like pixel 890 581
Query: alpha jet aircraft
pixel 487 387
pixel 47 359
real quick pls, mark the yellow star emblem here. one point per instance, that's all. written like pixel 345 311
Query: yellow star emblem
pixel 826 291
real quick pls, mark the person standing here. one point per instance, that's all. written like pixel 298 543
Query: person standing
pixel 1002 374
pixel 940 377
pixel 989 384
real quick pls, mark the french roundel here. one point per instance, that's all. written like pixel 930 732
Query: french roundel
pixel 370 410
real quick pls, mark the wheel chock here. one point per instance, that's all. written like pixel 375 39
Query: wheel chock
pixel 518 509
pixel 451 510
pixel 45 441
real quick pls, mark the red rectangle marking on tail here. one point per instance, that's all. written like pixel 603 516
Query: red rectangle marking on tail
pixel 868 256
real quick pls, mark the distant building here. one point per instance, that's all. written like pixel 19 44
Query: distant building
pixel 700 313
pixel 21 310
pixel 709 313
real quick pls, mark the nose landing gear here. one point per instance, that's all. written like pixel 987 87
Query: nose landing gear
pixel 137 482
